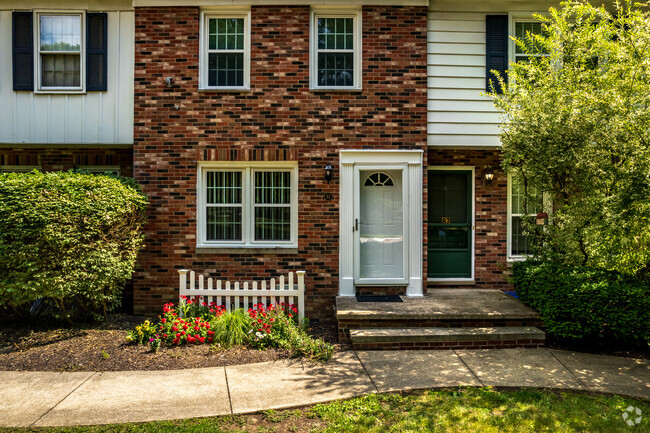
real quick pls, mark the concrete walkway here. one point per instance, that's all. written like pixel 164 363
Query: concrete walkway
pixel 55 399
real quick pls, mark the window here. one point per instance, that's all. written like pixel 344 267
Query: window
pixel 523 28
pixel 336 50
pixel 225 51
pixel 60 51
pixel 248 205
pixel 518 244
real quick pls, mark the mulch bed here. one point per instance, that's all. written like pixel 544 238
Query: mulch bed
pixel 102 347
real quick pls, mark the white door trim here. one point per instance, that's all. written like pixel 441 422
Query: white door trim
pixel 411 163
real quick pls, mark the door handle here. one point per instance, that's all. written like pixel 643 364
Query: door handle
pixel 356 224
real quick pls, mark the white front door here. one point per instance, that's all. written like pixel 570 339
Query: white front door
pixel 379 236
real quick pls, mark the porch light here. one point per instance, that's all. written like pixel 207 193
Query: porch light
pixel 328 172
pixel 488 175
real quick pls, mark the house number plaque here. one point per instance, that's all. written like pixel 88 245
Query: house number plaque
pixel 446 220
pixel 328 196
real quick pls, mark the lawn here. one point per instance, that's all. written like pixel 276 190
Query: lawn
pixel 483 410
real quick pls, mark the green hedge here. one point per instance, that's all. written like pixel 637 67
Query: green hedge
pixel 68 236
pixel 583 303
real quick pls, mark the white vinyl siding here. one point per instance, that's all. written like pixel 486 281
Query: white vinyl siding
pixel 90 118
pixel 458 115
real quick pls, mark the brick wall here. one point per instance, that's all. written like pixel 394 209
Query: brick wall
pixel 491 217
pixel 279 119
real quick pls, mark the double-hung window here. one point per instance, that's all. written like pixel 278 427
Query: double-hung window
pixel 519 207
pixel 248 205
pixel 225 51
pixel 524 30
pixel 335 50
pixel 60 51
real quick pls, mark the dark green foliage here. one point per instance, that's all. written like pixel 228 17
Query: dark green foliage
pixel 577 127
pixel 68 236
pixel 584 303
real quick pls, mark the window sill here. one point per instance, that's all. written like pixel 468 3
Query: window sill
pixel 60 92
pixel 514 259
pixel 225 89
pixel 246 250
pixel 336 89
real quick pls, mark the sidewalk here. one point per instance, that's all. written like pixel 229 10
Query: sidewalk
pixel 54 399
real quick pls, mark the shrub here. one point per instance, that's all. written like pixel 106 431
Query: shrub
pixel 582 303
pixel 68 236
pixel 231 328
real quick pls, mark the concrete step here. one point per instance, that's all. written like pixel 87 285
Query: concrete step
pixel 447 338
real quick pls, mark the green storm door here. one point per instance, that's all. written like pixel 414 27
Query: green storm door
pixel 450 224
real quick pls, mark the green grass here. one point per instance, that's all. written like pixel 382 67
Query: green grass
pixel 482 410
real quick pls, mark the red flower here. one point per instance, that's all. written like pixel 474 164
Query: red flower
pixel 210 340
pixel 196 328
pixel 178 335
pixel 207 325
pixel 190 340
pixel 174 328
pixel 163 320
pixel 202 339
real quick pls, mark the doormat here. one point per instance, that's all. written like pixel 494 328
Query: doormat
pixel 388 298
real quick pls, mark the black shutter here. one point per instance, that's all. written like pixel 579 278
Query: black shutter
pixel 23 50
pixel 496 49
pixel 96 67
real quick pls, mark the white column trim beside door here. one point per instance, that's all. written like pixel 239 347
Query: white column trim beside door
pixel 415 230
pixel 346 235
pixel 412 178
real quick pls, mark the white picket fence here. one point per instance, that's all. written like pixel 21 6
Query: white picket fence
pixel 230 294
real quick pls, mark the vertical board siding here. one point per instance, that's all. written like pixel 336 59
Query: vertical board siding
pixel 94 117
pixel 458 113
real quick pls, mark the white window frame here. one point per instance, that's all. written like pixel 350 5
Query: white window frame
pixel 248 170
pixel 546 205
pixel 37 52
pixel 204 45
pixel 355 14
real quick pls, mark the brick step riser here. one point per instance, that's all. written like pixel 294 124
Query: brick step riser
pixel 344 326
pixel 447 345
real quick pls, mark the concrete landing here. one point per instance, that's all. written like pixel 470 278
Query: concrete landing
pixel 450 304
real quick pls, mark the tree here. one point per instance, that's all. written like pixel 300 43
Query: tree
pixel 577 126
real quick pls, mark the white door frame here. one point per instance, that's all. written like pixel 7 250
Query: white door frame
pixel 410 161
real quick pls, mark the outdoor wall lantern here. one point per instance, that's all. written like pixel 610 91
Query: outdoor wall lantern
pixel 328 172
pixel 488 175
pixel 169 82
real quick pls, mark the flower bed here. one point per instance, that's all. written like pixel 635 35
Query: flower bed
pixel 260 327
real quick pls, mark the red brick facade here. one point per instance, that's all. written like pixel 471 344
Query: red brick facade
pixel 278 119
